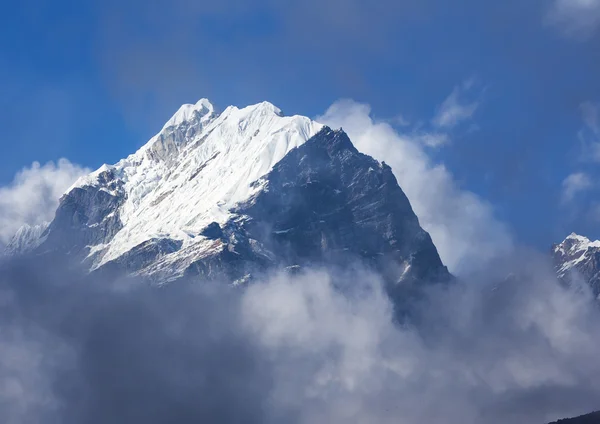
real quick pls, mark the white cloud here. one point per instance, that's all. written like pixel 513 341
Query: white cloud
pixel 576 18
pixel 432 139
pixel 462 225
pixel 400 120
pixel 32 197
pixel 505 357
pixel 574 184
pixel 455 109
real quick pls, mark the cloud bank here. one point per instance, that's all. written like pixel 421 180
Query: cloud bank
pixel 315 347
pixel 461 224
pixel 32 197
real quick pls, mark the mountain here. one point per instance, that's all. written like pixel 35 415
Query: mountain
pixel 235 193
pixel 593 418
pixel 577 259
pixel 27 238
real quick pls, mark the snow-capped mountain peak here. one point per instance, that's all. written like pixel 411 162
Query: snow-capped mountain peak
pixel 578 256
pixel 202 110
pixel 193 172
pixel 573 249
pixel 237 192
pixel 578 239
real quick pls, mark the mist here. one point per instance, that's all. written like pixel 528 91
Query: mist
pixel 319 346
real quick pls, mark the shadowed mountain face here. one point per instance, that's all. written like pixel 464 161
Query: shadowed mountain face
pixel 327 203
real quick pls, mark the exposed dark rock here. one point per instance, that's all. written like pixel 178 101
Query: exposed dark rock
pixel 86 216
pixel 212 231
pixel 326 202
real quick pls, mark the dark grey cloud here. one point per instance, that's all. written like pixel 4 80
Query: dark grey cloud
pixel 316 347
pixel 80 351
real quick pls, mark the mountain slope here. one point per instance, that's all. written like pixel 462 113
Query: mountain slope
pixel 239 192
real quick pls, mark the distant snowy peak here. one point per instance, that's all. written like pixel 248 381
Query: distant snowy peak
pixel 574 244
pixel 573 250
pixel 27 238
pixel 578 257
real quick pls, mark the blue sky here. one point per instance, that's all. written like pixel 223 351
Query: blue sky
pixel 92 81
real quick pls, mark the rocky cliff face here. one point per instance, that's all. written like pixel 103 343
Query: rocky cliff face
pixel 233 194
pixel 87 216
pixel 326 202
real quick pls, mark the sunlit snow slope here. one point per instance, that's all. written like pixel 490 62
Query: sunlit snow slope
pixel 190 174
